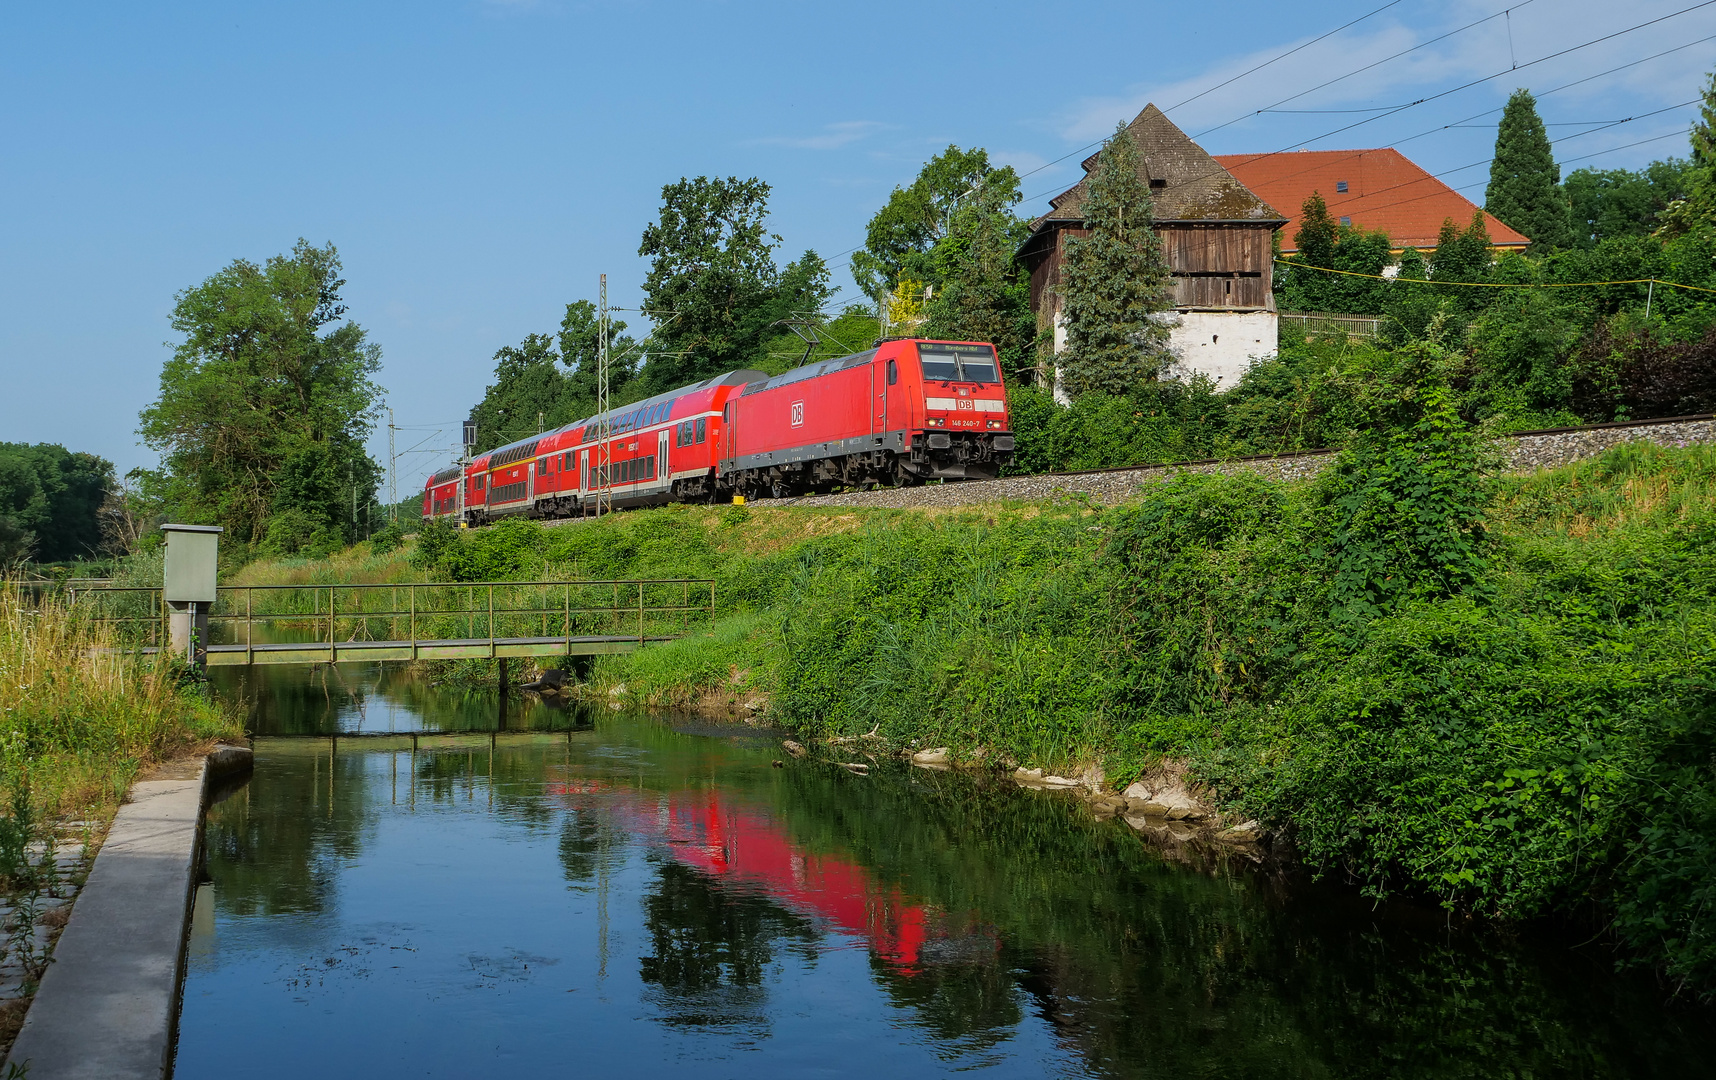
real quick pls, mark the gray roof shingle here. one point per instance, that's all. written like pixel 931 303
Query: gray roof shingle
pixel 1197 187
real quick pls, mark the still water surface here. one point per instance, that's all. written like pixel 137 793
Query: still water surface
pixel 648 897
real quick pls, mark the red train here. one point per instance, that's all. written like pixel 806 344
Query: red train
pixel 901 413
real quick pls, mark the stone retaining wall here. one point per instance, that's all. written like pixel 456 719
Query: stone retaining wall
pixel 1522 453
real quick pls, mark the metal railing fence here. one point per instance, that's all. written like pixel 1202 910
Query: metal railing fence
pixel 469 611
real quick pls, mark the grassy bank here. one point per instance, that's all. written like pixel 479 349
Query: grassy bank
pixel 1492 693
pixel 78 724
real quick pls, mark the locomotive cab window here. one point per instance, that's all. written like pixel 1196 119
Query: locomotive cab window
pixel 893 373
pixel 958 363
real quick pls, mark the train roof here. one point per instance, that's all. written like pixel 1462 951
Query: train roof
pixel 731 378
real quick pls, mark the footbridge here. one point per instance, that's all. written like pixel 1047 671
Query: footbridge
pixel 329 624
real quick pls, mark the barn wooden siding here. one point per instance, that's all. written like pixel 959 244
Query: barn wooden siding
pixel 1216 265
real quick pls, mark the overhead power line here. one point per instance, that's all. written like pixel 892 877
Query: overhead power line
pixel 1398 109
pixel 1362 70
pixel 1464 86
pixel 1496 284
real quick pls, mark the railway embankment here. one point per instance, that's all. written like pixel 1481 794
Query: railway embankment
pixel 1521 452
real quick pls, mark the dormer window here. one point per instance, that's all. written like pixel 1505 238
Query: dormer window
pixel 1346 221
pixel 1158 182
pixel 1341 186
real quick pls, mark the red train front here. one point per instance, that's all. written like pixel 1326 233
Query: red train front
pixel 903 412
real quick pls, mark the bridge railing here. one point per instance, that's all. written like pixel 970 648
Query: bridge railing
pixel 418 611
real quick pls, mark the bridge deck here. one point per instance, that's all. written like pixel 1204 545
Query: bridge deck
pixel 333 652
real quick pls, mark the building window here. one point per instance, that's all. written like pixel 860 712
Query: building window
pixel 1346 221
pixel 1341 186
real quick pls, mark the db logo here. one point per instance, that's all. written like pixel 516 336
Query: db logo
pixel 965 405
pixel 798 414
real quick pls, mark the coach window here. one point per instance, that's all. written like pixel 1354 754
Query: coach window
pixel 893 373
pixel 702 429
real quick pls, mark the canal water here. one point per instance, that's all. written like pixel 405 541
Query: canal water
pixel 608 894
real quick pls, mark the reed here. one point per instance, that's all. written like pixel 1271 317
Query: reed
pixel 80 717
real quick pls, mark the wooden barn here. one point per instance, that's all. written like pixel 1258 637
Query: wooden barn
pixel 1218 238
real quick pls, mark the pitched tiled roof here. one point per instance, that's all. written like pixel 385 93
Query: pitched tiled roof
pixel 1196 188
pixel 1386 192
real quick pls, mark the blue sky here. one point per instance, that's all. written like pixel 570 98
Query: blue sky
pixel 479 163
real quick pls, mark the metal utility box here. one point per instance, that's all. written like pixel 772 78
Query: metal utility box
pixel 192 552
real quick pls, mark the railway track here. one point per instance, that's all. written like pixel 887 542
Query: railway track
pixel 1525 451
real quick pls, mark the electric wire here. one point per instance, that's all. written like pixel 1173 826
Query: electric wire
pixel 1367 67
pixel 1497 284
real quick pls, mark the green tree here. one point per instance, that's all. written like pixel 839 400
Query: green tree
pixel 1323 242
pixel 713 288
pixel 1462 255
pixel 1116 282
pixel 983 297
pixel 1697 210
pixel 50 502
pixel 900 238
pixel 1606 203
pixel 528 384
pixel 270 385
pixel 580 340
pixel 1524 191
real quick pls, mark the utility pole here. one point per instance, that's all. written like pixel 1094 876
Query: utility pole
pixel 392 471
pixel 604 422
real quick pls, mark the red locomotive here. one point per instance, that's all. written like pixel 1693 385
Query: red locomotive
pixel 901 413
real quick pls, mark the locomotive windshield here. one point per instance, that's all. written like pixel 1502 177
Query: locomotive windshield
pixel 958 363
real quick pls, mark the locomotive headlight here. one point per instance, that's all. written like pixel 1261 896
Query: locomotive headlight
pixel 936 421
pixel 994 425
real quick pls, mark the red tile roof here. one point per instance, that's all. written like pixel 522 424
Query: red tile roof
pixel 1385 192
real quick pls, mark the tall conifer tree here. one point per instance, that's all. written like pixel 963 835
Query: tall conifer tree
pixel 1525 183
pixel 1115 281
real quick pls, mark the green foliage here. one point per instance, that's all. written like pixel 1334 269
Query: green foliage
pixel 531 393
pixel 1115 283
pixel 1606 203
pixel 713 287
pixel 1321 242
pixel 1406 510
pixel 982 294
pixel 50 502
pixel 1161 421
pixel 1524 191
pixel 437 541
pixel 266 403
pixel 901 237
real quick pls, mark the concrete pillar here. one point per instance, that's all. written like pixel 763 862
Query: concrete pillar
pixel 188 631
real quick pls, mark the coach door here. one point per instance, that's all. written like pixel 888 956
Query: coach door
pixel 584 470
pixel 661 455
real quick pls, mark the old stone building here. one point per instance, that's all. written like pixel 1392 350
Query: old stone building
pixel 1218 238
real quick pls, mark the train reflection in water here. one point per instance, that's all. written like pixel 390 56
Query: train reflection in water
pixel 744 847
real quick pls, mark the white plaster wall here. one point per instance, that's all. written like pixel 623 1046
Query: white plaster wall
pixel 1222 344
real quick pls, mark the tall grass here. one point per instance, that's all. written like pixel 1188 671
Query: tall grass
pixel 78 716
